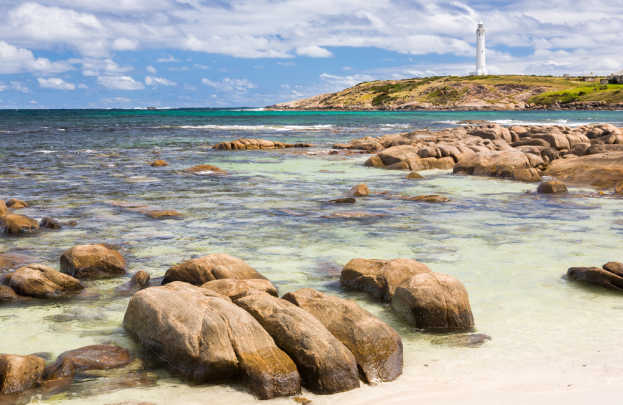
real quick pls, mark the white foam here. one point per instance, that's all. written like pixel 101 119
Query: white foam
pixel 276 128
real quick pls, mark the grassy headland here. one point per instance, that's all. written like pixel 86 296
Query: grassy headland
pixel 468 92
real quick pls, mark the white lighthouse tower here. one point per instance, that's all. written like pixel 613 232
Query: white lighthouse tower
pixel 481 57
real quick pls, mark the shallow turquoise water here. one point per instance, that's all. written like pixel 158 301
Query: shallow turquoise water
pixel 508 245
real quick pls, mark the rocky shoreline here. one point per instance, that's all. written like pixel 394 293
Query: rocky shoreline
pixel 216 318
pixel 589 155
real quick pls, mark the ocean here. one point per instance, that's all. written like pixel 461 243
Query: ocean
pixel 508 245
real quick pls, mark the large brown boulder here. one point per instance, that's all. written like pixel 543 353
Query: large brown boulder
pixel 95 357
pixel 3 208
pixel 325 364
pixel 211 267
pixel 495 164
pixel 205 337
pixel 15 224
pixel 397 154
pixel 597 276
pixel 430 163
pixel 491 132
pixel 434 301
pixel 19 373
pixel 235 289
pixel 379 278
pixel 41 281
pixel 603 170
pixel 90 262
pixel 11 261
pixel 377 347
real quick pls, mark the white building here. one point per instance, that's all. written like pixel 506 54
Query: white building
pixel 481 57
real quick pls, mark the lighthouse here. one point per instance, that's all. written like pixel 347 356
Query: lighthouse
pixel 481 57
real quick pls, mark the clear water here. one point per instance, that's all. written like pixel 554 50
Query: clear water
pixel 508 245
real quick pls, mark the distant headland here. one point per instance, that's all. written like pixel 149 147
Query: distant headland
pixel 490 92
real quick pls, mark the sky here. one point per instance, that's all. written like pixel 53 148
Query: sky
pixel 250 53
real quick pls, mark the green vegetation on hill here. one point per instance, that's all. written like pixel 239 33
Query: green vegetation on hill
pixel 609 93
pixel 493 91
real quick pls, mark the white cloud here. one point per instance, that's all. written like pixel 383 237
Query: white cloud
pixel 124 44
pixel 558 36
pixel 229 84
pixel 168 59
pixel 151 69
pixel 18 60
pixel 313 51
pixel 102 67
pixel 120 83
pixel 155 81
pixel 55 83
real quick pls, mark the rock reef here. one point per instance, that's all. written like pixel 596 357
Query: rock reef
pixel 586 155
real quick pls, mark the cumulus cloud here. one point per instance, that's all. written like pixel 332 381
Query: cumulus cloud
pixel 285 29
pixel 120 83
pixel 151 69
pixel 17 60
pixel 313 51
pixel 55 83
pixel 229 84
pixel 155 81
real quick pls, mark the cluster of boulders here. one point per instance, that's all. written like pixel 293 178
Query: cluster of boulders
pixel 256 144
pixel 610 275
pixel 427 300
pixel 22 373
pixel 589 154
pixel 216 317
pixel 15 224
pixel 81 262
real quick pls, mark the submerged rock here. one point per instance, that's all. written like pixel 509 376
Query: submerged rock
pixel 354 215
pixel 10 261
pixel 162 214
pixel 235 289
pixel 211 267
pixel 205 337
pixel 90 262
pixel 376 346
pixel 158 163
pixel 204 169
pixel 139 280
pixel 19 373
pixel 40 281
pixel 468 340
pixel 434 301
pixel 95 357
pixel 360 190
pixel 597 276
pixel 552 187
pixel 415 176
pixel 49 223
pixel 15 224
pixel 345 200
pixel 433 198
pixel 325 364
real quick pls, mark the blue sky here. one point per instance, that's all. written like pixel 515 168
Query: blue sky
pixel 216 53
